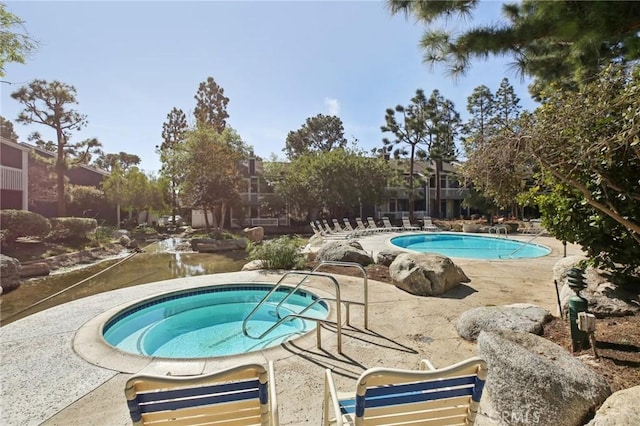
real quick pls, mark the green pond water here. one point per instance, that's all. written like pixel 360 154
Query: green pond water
pixel 159 261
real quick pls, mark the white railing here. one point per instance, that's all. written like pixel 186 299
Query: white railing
pixel 449 193
pixel 264 221
pixel 418 214
pixel 11 179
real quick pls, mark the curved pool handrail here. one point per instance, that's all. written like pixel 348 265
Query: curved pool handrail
pixel 526 243
pixel 277 286
pixel 365 290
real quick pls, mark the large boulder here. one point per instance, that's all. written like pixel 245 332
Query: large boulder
pixel 517 317
pixel 254 265
pixel 387 256
pixel 605 298
pixel 426 274
pixel 621 408
pixel 344 251
pixel 9 273
pixel 254 234
pixel 534 382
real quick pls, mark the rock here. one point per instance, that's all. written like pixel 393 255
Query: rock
pixel 210 245
pixel 534 382
pixel 517 317
pixel 605 298
pixel 124 240
pixel 119 233
pixel 426 274
pixel 36 269
pixel 9 273
pixel 344 251
pixel 621 408
pixel 254 265
pixel 387 256
pixel 254 234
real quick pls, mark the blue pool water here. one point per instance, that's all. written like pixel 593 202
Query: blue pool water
pixel 470 246
pixel 208 322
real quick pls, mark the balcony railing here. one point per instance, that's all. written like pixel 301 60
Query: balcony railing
pixel 11 179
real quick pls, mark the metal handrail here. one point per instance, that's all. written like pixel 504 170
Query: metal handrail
pixel 293 290
pixel 366 287
pixel 526 243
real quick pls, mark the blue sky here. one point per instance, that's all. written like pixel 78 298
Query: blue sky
pixel 278 62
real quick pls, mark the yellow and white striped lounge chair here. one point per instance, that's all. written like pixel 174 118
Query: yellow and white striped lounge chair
pixel 428 396
pixel 242 395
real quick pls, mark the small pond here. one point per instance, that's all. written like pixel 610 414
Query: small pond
pixel 159 261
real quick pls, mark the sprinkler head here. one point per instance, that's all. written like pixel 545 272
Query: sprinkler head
pixel 576 280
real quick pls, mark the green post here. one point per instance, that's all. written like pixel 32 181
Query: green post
pixel 579 338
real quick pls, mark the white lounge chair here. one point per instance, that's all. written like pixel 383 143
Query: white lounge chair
pixel 388 226
pixel 407 226
pixel 427 225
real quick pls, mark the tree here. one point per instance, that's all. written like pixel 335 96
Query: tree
pixel 566 42
pixel 335 182
pixel 7 131
pixel 207 187
pixel 48 103
pixel 122 160
pixel 320 133
pixel 588 143
pixel 496 168
pixel 412 132
pixel 130 189
pixel 211 105
pixel 15 43
pixel 480 106
pixel 174 132
pixel 427 130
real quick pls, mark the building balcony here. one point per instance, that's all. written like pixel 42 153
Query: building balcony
pixel 11 179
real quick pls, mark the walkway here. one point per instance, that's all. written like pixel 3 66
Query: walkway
pixel 45 381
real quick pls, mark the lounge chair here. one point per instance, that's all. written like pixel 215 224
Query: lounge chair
pixel 388 226
pixel 361 229
pixel 337 227
pixel 372 225
pixel 407 226
pixel 447 396
pixel 347 225
pixel 244 394
pixel 427 225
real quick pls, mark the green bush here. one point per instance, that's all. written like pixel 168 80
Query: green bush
pixel 71 228
pixel 22 223
pixel 281 253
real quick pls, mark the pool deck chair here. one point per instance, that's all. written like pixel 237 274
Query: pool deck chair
pixel 372 225
pixel 388 226
pixel 428 396
pixel 407 226
pixel 347 225
pixel 428 225
pixel 242 395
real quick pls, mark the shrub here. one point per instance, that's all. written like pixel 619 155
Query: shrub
pixel 22 223
pixel 281 253
pixel 71 228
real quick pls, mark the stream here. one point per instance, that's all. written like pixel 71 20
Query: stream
pixel 159 261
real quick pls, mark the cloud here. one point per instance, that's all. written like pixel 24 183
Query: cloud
pixel 333 105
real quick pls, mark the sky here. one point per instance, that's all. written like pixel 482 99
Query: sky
pixel 279 63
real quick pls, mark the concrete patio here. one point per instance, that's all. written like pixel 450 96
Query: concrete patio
pixel 56 371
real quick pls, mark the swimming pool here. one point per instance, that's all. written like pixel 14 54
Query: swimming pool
pixel 208 322
pixel 470 246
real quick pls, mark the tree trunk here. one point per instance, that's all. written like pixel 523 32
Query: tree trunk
pixel 60 168
pixel 438 168
pixel 206 220
pixel 411 194
pixel 223 212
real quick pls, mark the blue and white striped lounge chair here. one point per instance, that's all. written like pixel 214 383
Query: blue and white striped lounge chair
pixel 407 226
pixel 244 395
pixel 446 396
